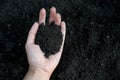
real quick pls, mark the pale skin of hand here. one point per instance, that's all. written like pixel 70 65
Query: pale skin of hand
pixel 40 67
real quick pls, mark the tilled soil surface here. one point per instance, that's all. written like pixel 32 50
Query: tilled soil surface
pixel 92 46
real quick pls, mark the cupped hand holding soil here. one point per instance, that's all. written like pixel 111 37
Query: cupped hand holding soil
pixel 36 53
pixel 49 38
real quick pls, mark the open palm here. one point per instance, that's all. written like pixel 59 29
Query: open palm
pixel 35 55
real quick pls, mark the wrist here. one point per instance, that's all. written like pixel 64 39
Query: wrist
pixel 35 73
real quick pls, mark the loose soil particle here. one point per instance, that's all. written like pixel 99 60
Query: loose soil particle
pixel 49 38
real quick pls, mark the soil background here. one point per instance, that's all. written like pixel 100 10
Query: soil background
pixel 92 46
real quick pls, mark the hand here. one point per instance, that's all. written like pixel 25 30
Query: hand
pixel 36 58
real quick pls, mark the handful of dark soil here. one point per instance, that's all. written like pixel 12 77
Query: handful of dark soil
pixel 49 38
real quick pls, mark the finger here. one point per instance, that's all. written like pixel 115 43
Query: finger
pixel 52 14
pixel 42 16
pixel 32 33
pixel 57 19
pixel 63 28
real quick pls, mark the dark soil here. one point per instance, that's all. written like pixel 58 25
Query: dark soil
pixel 49 38
pixel 92 45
